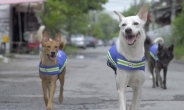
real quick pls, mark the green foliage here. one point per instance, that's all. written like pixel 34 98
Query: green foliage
pixel 68 14
pixel 178 35
pixel 178 28
pixel 105 24
pixel 178 52
pixel 69 49
pixel 97 31
pixel 130 11
pixel 52 16
pixel 134 9
pixel 77 24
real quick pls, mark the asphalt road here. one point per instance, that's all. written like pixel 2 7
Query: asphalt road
pixel 89 85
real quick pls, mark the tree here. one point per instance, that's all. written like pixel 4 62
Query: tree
pixel 130 11
pixel 134 8
pixel 109 25
pixel 67 14
pixel 52 16
pixel 105 24
pixel 97 31
pixel 177 36
pixel 178 28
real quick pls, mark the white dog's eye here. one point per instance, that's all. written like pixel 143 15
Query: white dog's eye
pixel 136 23
pixel 123 24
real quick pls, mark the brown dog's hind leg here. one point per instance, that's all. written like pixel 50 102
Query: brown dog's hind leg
pixel 44 87
pixel 62 80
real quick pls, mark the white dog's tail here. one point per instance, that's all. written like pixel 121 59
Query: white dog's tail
pixel 158 40
pixel 40 33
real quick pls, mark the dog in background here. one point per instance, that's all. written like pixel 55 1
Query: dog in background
pixel 126 57
pixel 158 57
pixel 52 66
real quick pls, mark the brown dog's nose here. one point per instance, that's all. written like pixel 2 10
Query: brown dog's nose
pixel 128 30
pixel 53 53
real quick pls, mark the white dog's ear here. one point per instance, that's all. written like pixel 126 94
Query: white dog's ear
pixel 143 13
pixel 120 15
pixel 45 37
pixel 58 38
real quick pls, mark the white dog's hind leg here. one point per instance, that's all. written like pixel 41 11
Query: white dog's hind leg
pixel 136 99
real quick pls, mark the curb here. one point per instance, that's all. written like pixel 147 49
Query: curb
pixel 19 56
pixel 178 61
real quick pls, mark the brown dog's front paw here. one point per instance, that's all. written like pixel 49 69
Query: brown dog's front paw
pixel 49 107
pixel 60 99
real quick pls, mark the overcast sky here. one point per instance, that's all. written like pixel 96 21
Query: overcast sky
pixel 117 5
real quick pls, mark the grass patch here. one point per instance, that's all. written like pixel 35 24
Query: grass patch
pixel 9 55
pixel 179 53
pixel 1 59
pixel 69 49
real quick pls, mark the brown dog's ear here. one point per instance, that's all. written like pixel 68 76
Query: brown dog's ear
pixel 171 48
pixel 143 13
pixel 45 37
pixel 120 15
pixel 58 38
pixel 160 47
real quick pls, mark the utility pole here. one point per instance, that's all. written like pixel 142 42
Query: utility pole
pixel 152 15
pixel 135 7
pixel 96 16
pixel 173 10
pixel 142 2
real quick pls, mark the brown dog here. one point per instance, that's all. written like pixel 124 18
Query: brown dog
pixel 52 67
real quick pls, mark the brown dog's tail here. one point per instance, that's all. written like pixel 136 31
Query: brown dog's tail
pixel 40 33
pixel 62 44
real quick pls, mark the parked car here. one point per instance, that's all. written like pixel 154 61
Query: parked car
pixel 113 40
pixel 78 40
pixel 91 41
pixel 106 42
pixel 100 42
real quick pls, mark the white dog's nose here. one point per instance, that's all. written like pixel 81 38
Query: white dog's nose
pixel 128 30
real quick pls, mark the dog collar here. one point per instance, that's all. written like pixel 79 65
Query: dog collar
pixel 55 69
pixel 121 62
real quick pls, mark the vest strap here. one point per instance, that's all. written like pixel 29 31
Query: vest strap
pixel 110 58
pixel 153 56
pixel 130 64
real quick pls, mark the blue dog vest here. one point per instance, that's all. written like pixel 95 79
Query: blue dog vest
pixel 153 52
pixel 56 69
pixel 121 62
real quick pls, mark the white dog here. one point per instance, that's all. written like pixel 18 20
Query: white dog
pixel 127 57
